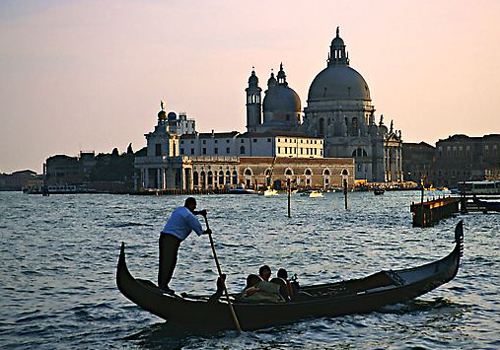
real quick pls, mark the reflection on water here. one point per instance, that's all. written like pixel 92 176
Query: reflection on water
pixel 58 258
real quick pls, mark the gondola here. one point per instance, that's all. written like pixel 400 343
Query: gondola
pixel 332 299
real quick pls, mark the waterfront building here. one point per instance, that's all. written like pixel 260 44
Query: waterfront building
pixel 19 180
pixel 419 162
pixel 250 172
pixel 454 159
pixel 215 160
pixel 252 144
pixel 62 170
pixel 461 158
pixel 66 170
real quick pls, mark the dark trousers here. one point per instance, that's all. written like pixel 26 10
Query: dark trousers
pixel 169 245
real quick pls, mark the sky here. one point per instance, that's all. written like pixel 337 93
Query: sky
pixel 89 75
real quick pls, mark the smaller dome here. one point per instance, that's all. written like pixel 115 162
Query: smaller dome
pixel 162 115
pixel 253 79
pixel 337 41
pixel 271 82
pixel 172 116
pixel 281 98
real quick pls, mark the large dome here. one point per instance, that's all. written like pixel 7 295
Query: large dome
pixel 281 98
pixel 338 82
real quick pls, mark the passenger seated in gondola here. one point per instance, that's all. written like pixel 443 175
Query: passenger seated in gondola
pixel 265 273
pixel 259 290
pixel 286 289
pixel 220 288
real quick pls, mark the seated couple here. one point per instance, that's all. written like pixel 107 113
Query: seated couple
pixel 261 289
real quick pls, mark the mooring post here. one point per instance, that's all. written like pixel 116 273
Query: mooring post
pixel 345 193
pixel 289 190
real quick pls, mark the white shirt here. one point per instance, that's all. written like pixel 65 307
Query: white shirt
pixel 181 223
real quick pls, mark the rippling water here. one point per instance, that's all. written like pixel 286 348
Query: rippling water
pixel 58 256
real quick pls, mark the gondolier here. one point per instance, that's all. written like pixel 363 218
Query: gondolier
pixel 178 227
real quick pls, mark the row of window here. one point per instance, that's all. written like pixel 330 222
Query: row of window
pixel 306 141
pixel 286 150
pixel 249 172
pixel 208 178
pixel 216 150
pixel 467 148
pixel 467 153
pixel 293 150
pixel 268 140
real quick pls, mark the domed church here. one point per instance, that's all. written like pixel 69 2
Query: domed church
pixel 281 106
pixel 339 109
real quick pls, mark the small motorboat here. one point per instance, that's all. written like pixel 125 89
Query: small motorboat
pixel 312 194
pixel 270 192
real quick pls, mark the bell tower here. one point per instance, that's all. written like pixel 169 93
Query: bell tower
pixel 253 104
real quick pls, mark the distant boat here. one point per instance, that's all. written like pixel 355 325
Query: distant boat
pixel 58 189
pixel 378 191
pixel 270 192
pixel 241 190
pixel 479 187
pixel 312 194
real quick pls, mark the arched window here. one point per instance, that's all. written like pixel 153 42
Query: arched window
pixel 203 180
pixel 321 126
pixel 326 172
pixel 248 172
pixel 221 178
pixel 228 177
pixel 359 152
pixel 308 172
pixel 242 150
pixel 354 126
pixel 195 178
pixel 210 178
pixel 235 177
pixel 288 172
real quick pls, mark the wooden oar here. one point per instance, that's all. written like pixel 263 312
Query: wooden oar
pixel 231 308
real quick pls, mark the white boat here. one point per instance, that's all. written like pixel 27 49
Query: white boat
pixel 312 194
pixel 270 192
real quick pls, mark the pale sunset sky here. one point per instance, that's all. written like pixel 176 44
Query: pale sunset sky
pixel 89 75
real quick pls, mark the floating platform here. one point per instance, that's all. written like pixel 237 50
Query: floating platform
pixel 428 213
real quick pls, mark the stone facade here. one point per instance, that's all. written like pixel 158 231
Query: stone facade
pixel 418 161
pixel 454 159
pixel 251 144
pixel 249 172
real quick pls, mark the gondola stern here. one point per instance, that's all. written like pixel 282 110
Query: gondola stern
pixel 122 272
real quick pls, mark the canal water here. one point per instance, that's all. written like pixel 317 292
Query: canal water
pixel 58 256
